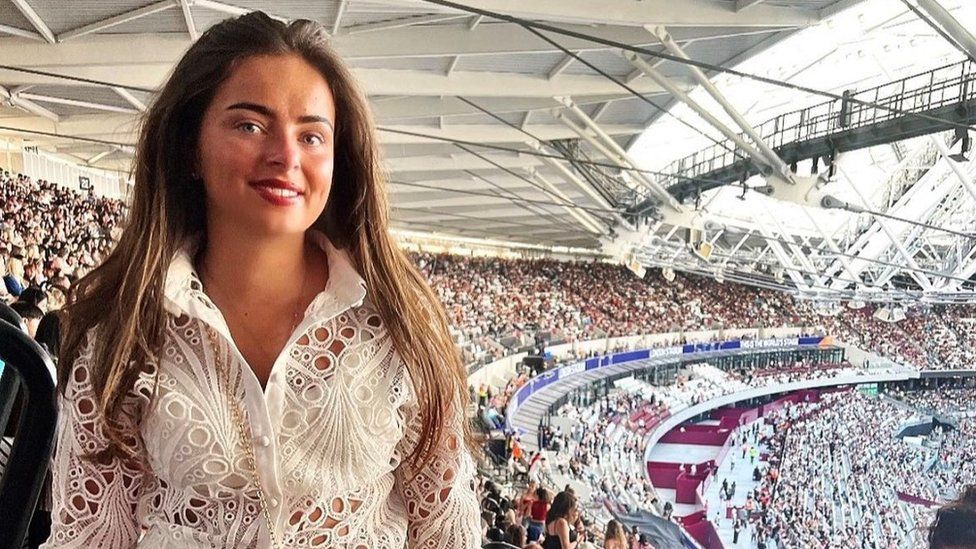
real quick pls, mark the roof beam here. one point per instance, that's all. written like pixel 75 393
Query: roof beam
pixel 436 41
pixel 221 7
pixel 340 11
pixel 79 148
pixel 131 15
pixel 76 103
pixel 563 238
pixel 952 26
pixel 379 81
pixel 111 127
pixel 703 13
pixel 452 65
pixel 91 161
pixel 745 4
pixel 493 84
pixel 109 49
pixel 14 31
pixel 15 100
pixel 428 215
pixel 123 128
pixel 838 7
pixel 419 106
pixel 458 162
pixel 563 64
pixel 191 26
pixel 496 133
pixel 600 110
pixel 402 23
pixel 133 100
pixel 585 219
pixel 505 38
pixel 35 20
pixel 455 185
pixel 450 200
pixel 510 215
pixel 603 142
pixel 766 152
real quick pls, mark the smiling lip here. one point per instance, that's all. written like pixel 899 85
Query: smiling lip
pixel 277 191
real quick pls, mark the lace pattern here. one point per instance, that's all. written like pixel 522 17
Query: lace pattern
pixel 331 433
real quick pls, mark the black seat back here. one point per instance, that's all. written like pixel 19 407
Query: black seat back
pixel 8 314
pixel 28 378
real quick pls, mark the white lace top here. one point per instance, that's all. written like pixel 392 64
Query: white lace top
pixel 331 431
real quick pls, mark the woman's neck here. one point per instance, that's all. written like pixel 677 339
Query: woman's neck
pixel 257 271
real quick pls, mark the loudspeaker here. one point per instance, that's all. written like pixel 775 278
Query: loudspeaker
pixel 898 313
pixel 635 267
pixel 497 446
pixel 534 362
pixel 704 250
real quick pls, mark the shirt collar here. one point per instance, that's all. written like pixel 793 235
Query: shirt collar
pixel 184 294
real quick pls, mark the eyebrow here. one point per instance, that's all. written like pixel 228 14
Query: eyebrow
pixel 261 109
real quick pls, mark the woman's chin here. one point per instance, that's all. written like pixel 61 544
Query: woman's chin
pixel 278 226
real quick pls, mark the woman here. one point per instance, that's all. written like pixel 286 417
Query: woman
pixel 954 526
pixel 562 515
pixel 526 499
pixel 614 537
pixel 256 364
pixel 537 513
pixel 14 279
pixel 517 536
pixel 48 334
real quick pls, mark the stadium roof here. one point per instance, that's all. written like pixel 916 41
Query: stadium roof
pixel 437 73
pixel 551 121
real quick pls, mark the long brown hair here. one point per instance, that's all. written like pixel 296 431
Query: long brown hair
pixel 168 208
pixel 562 504
pixel 615 531
pixel 954 525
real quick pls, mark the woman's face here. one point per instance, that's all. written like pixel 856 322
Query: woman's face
pixel 266 147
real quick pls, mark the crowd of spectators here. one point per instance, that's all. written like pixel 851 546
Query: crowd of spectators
pixel 496 304
pixel 50 236
pixel 844 479
pixel 606 443
pixel 842 464
pixel 522 515
pixel 946 401
pixel 505 299
pixel 606 450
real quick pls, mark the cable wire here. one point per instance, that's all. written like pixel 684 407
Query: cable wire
pixel 37 72
pixel 632 91
pixel 928 21
pixel 547 155
pixel 700 64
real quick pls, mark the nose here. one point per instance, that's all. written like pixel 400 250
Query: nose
pixel 282 150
